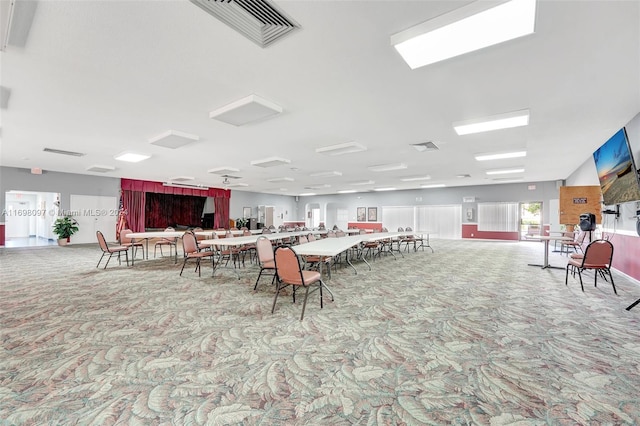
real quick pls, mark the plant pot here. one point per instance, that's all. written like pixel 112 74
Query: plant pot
pixel 62 242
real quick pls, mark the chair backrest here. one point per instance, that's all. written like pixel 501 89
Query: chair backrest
pixel 302 239
pixel 124 236
pixel 331 234
pixel 264 249
pixel 598 253
pixel 170 229
pixel 400 229
pixel 189 242
pixel 408 229
pixel 341 234
pixel 246 233
pixel 103 243
pixel 311 237
pixel 266 231
pixel 288 265
pixel 362 231
pixel 228 234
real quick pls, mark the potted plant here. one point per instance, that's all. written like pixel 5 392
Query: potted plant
pixel 64 227
pixel 241 222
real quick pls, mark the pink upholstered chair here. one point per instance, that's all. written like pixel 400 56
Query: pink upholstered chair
pixel 110 250
pixel 192 251
pixel 597 257
pixel 290 273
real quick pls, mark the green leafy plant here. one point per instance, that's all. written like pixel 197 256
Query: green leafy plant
pixel 241 222
pixel 64 227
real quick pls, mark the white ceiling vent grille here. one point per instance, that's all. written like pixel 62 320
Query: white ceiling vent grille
pixel 62 152
pixel 258 20
pixel 425 146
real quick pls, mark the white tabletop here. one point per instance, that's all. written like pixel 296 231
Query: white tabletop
pixel 327 246
pixel 156 234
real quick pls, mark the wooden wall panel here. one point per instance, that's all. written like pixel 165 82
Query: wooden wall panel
pixel 575 200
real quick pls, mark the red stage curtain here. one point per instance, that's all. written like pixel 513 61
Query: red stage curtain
pixel 221 216
pixel 164 210
pixel 133 203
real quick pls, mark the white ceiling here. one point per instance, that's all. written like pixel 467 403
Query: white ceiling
pixel 102 77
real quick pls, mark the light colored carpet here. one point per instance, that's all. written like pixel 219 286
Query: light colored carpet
pixel 467 335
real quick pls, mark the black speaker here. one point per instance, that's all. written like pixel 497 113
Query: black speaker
pixel 588 222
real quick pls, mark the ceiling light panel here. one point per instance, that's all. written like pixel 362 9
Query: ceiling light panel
pixel 326 174
pixel 223 171
pixel 384 189
pixel 281 179
pixel 246 110
pixel 387 167
pixel 363 182
pixel 472 27
pixel 173 139
pixel 132 157
pixel 341 149
pixel 434 185
pixel 237 185
pixel 416 178
pixel 270 162
pixel 505 171
pixel 347 191
pixel 494 122
pixel 500 155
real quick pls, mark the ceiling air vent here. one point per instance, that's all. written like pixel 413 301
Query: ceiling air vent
pixel 59 151
pixel 258 20
pixel 425 146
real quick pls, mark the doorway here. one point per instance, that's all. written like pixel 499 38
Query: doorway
pixel 530 220
pixel 29 218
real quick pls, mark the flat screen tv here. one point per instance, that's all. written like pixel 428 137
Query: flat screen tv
pixel 617 171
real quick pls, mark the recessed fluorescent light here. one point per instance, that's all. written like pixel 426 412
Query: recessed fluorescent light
pixel 223 170
pixel 173 139
pixel 347 191
pixel 463 176
pixel 387 167
pixel 412 179
pixel 500 155
pixel 326 174
pixel 132 157
pixel 270 162
pixel 281 179
pixel 306 194
pixel 340 149
pixel 246 110
pixel 183 185
pixel 493 122
pixel 469 28
pixel 384 189
pixel 363 182
pixel 236 184
pixel 435 185
pixel 320 186
pixel 505 171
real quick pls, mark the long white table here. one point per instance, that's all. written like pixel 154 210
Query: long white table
pixel 154 234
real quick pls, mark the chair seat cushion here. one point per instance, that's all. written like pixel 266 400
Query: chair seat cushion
pixel 200 254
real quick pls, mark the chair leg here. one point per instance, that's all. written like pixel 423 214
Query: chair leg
pixel 105 265
pixel 631 306
pixel 98 265
pixel 612 284
pixel 304 304
pixel 580 275
pixel 126 257
pixel 278 283
pixel 183 263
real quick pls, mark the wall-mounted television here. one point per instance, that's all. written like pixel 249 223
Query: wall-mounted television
pixel 617 170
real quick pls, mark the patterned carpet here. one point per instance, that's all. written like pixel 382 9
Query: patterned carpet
pixel 467 335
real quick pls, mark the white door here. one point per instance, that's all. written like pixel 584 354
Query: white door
pixel 94 213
